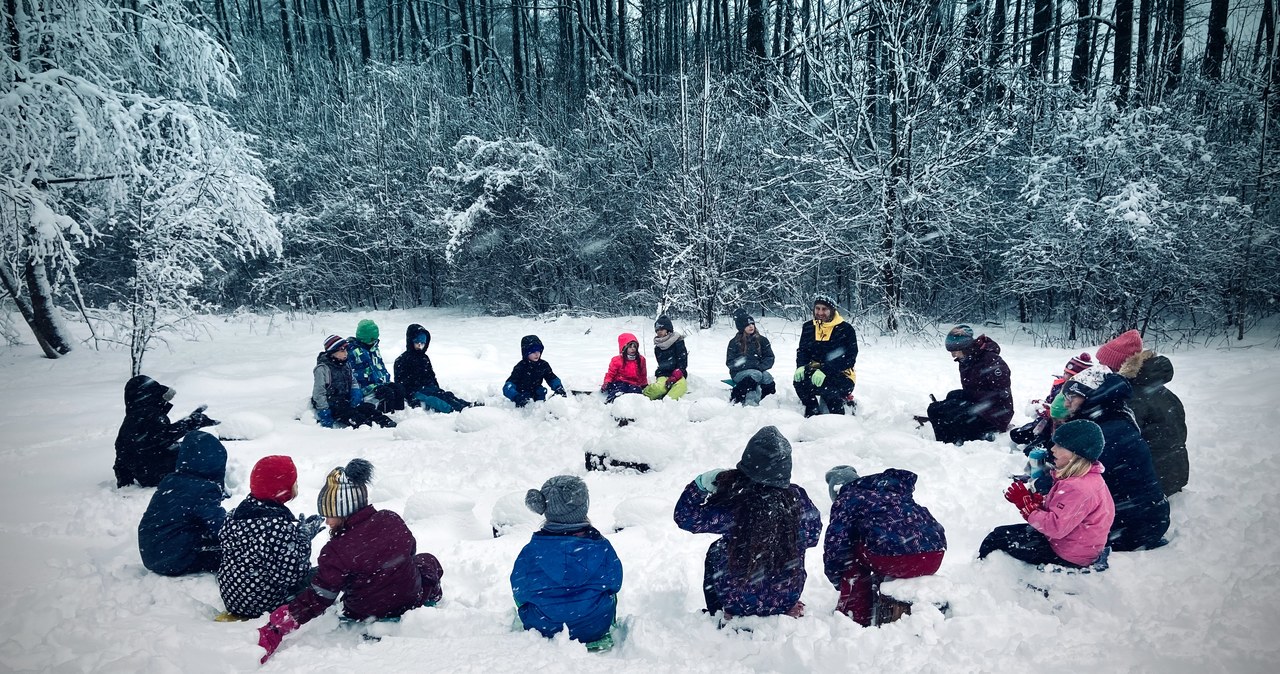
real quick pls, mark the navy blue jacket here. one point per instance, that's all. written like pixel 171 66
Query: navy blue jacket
pixel 146 444
pixel 185 513
pixel 1142 511
pixel 567 578
pixel 527 376
pixel 878 511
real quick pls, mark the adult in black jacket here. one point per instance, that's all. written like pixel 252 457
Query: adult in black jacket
pixel 824 360
pixel 337 400
pixel 1160 417
pixel 983 405
pixel 414 372
pixel 1142 511
pixel 749 357
pixel 146 446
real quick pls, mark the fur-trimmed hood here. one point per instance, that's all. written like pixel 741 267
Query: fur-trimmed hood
pixel 1147 369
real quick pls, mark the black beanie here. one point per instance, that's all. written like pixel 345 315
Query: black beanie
pixel 742 319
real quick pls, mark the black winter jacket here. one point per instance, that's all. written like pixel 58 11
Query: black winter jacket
pixel 413 368
pixel 146 446
pixel 751 353
pixel 1160 417
pixel 677 356
pixel 265 557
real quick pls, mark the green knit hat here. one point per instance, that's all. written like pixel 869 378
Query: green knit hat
pixel 1082 437
pixel 367 331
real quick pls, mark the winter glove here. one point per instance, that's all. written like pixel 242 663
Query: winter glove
pixel 278 625
pixel 325 417
pixel 707 481
pixel 357 397
pixel 817 378
pixel 1025 500
pixel 676 375
pixel 311 525
pixel 559 390
pixel 799 376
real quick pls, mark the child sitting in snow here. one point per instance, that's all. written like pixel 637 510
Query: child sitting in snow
pixel 1036 436
pixel 147 444
pixel 337 400
pixel 266 553
pixel 178 533
pixel 877 530
pixel 370 370
pixel 757 566
pixel 568 574
pixel 1070 526
pixel 749 357
pixel 371 559
pixel 525 382
pixel 628 371
pixel 418 378
pixel 673 361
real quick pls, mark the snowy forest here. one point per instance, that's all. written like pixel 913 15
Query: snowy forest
pixel 1094 165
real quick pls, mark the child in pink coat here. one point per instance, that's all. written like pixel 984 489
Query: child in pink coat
pixel 628 372
pixel 1070 525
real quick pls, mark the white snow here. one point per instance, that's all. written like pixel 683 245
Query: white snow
pixel 77 598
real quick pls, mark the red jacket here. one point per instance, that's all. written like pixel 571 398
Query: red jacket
pixel 370 560
pixel 634 372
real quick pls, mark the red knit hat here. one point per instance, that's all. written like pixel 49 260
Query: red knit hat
pixel 273 478
pixel 1078 364
pixel 1113 353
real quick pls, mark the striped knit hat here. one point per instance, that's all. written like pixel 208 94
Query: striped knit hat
pixel 1078 364
pixel 334 343
pixel 345 490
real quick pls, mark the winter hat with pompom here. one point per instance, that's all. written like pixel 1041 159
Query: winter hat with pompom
pixel 563 500
pixel 1086 382
pixel 345 490
pixel 1082 437
pixel 272 479
pixel 1113 353
pixel 1078 364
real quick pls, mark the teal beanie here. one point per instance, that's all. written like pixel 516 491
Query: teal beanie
pixel 1082 437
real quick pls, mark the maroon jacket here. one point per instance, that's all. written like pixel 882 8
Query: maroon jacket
pixel 984 376
pixel 371 561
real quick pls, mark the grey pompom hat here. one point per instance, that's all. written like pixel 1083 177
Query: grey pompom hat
pixel 563 499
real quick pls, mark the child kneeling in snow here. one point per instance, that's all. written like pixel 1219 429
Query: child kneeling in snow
pixel 1070 526
pixel 757 565
pixel 178 534
pixel 266 553
pixel 568 574
pixel 371 559
pixel 525 382
pixel 877 529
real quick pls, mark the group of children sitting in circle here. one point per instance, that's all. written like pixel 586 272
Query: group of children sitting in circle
pixel 1075 511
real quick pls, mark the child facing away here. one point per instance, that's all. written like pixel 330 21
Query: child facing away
pixel 266 552
pixel 147 444
pixel 756 567
pixel 568 575
pixel 525 382
pixel 178 534
pixel 673 362
pixel 628 372
pixel 336 399
pixel 371 559
pixel 415 374
pixel 877 531
pixel 749 357
pixel 1070 526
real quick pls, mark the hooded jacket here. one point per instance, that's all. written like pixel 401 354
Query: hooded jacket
pixel 634 372
pixel 984 377
pixel 567 578
pixel 1077 516
pixel 367 365
pixel 878 511
pixel 527 376
pixel 413 368
pixel 266 554
pixel 832 346
pixel 1160 418
pixel 332 383
pixel 1142 511
pixel 146 446
pixel 185 514
pixel 370 561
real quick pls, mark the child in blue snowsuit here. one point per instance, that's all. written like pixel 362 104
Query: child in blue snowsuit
pixel 178 533
pixel 525 382
pixel 568 574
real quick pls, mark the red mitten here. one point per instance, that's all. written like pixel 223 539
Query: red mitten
pixel 1017 493
pixel 1031 503
pixel 270 635
pixel 676 375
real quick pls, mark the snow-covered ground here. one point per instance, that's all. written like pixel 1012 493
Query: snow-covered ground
pixel 77 598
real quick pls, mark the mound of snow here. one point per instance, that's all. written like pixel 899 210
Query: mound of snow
pixel 444 511
pixel 641 510
pixel 510 515
pixel 243 426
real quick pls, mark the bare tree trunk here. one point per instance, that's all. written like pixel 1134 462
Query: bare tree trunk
pixel 362 27
pixel 1177 25
pixel 1216 43
pixel 1144 47
pixel 1081 60
pixel 1040 23
pixel 1123 54
pixel 286 35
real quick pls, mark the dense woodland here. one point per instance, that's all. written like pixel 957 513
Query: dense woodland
pixel 1090 164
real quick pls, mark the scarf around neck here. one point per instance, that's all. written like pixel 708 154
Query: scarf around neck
pixel 667 342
